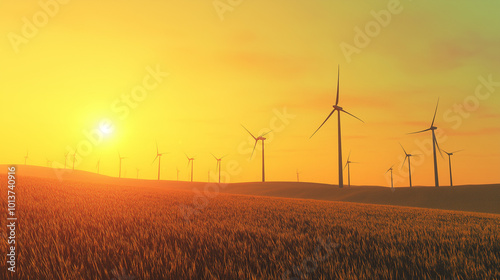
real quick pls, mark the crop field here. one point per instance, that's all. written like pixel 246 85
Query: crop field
pixel 72 230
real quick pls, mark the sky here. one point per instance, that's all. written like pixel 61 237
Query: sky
pixel 108 78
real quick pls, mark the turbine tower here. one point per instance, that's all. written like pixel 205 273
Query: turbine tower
pixel 348 165
pixel 407 156
pixel 449 164
pixel 262 138
pixel 158 156
pixel 219 164
pixel 390 169
pixel 298 175
pixel 98 164
pixel 434 144
pixel 26 158
pixel 120 168
pixel 191 161
pixel 339 109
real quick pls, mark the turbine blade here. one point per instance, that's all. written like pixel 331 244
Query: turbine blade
pixel 254 147
pixel 338 83
pixel 435 111
pixel 213 156
pixel 346 165
pixel 266 133
pixel 439 149
pixel 157 152
pixel 404 162
pixel 154 159
pixel 349 156
pixel 352 115
pixel 403 149
pixel 420 131
pixel 456 151
pixel 322 123
pixel 249 132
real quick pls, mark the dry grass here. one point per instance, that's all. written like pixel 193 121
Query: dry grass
pixel 90 231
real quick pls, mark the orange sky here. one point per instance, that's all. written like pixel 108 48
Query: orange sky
pixel 67 67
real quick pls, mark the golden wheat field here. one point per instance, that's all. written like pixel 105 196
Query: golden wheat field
pixel 73 230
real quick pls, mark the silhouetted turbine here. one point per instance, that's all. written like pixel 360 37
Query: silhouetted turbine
pixel 390 169
pixel 74 159
pixel 191 161
pixel 65 159
pixel 298 175
pixel 219 165
pixel 449 164
pixel 348 165
pixel 158 156
pixel 407 156
pixel 98 165
pixel 120 169
pixel 26 158
pixel 262 138
pixel 434 144
pixel 338 109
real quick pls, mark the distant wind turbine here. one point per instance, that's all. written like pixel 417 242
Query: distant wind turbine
pixel 407 156
pixel 338 109
pixel 191 161
pixel 298 175
pixel 262 138
pixel 120 169
pixel 98 165
pixel 390 169
pixel 434 144
pixel 158 156
pixel 449 164
pixel 26 158
pixel 49 162
pixel 219 164
pixel 137 169
pixel 348 165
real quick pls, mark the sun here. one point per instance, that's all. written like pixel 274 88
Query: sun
pixel 106 128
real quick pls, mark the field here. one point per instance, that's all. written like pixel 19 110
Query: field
pixel 77 230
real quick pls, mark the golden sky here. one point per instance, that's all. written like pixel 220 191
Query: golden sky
pixel 187 74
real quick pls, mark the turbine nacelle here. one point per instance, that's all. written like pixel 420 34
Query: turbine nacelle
pixel 336 107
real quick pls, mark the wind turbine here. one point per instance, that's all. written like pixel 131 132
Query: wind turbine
pixel 120 169
pixel 390 169
pixel 407 156
pixel 298 175
pixel 98 164
pixel 434 144
pixel 158 156
pixel 219 164
pixel 338 109
pixel 49 162
pixel 348 165
pixel 191 161
pixel 449 163
pixel 262 138
pixel 26 158
pixel 137 169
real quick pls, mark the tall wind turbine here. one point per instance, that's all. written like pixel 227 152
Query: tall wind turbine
pixel 26 158
pixel 339 109
pixel 407 156
pixel 262 138
pixel 98 165
pixel 49 162
pixel 120 169
pixel 348 165
pixel 449 163
pixel 434 144
pixel 390 169
pixel 158 156
pixel 298 175
pixel 191 161
pixel 219 164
